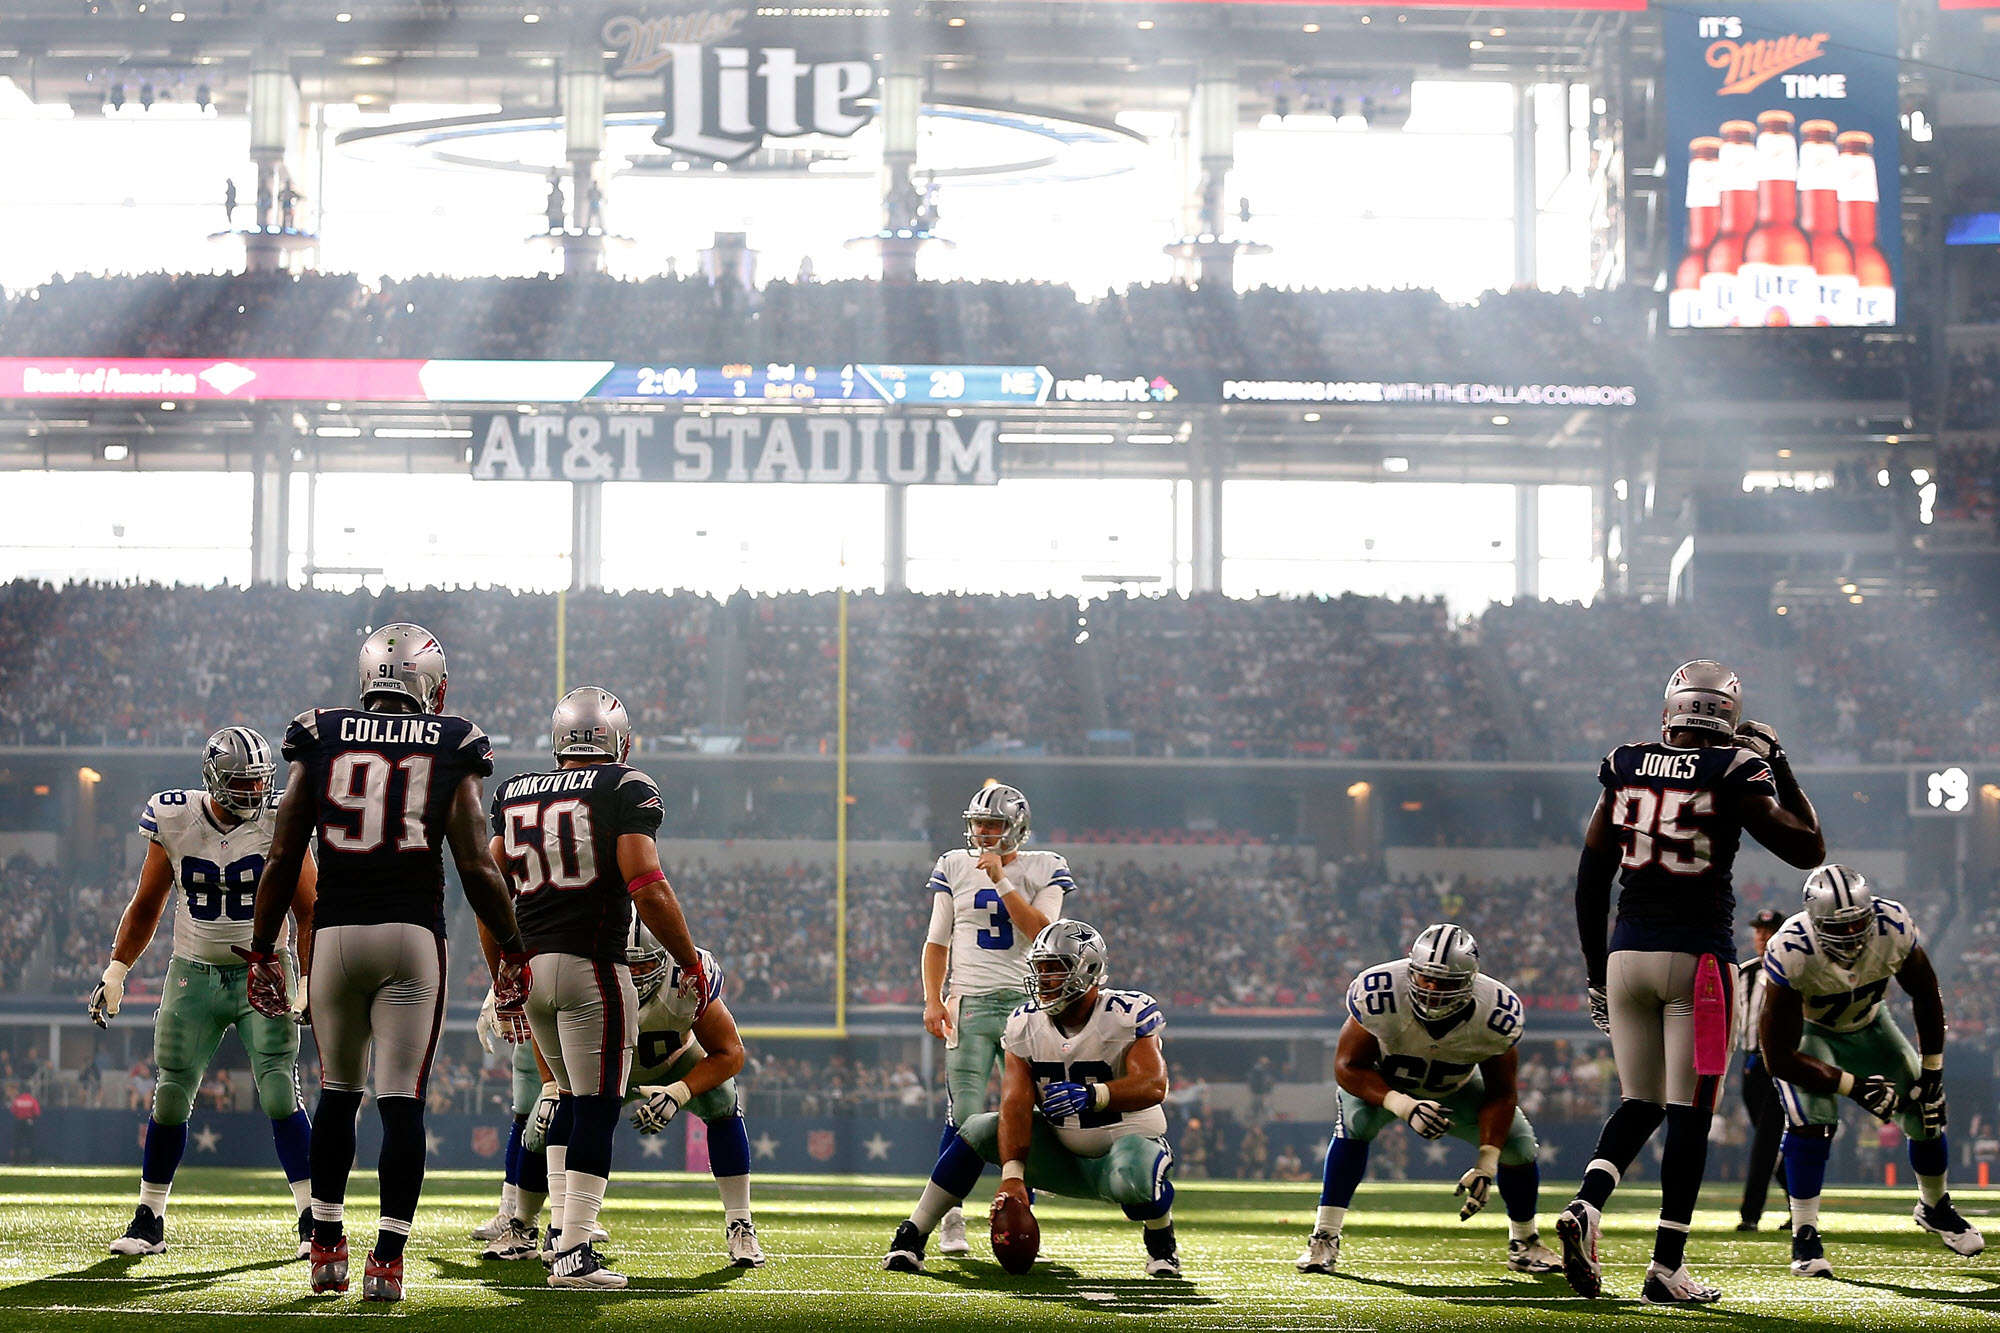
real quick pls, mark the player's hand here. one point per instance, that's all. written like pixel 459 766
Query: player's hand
pixel 1759 739
pixel 656 1111
pixel 1017 1188
pixel 110 993
pixel 1476 1184
pixel 535 1134
pixel 937 1020
pixel 1600 1009
pixel 1929 1096
pixel 268 984
pixel 989 861
pixel 694 985
pixel 1878 1096
pixel 487 1026
pixel 1429 1119
pixel 1063 1100
pixel 510 981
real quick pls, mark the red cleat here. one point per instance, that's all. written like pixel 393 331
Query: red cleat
pixel 382 1281
pixel 329 1268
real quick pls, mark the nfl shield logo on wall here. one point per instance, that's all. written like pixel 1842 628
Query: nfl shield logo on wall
pixel 819 1145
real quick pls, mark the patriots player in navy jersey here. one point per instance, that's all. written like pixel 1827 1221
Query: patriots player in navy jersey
pixel 379 789
pixel 1667 826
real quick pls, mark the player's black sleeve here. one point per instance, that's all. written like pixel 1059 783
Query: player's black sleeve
pixel 636 807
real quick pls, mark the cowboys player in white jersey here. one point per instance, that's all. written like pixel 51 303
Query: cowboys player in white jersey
pixel 990 900
pixel 1429 1039
pixel 1081 1105
pixel 208 846
pixel 1827 1033
pixel 687 1058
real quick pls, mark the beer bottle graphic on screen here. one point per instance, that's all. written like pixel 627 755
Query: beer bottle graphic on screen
pixel 1778 280
pixel 1737 172
pixel 1686 306
pixel 1875 300
pixel 1819 214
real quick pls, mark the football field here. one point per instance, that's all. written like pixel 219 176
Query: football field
pixel 1408 1263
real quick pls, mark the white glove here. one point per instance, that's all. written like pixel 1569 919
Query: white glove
pixel 535 1134
pixel 1429 1119
pixel 1759 740
pixel 110 993
pixel 1477 1183
pixel 487 1026
pixel 659 1107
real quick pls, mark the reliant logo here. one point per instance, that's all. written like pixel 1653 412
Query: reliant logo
pixel 1747 66
pixel 1097 389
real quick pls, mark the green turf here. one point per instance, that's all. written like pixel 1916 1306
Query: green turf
pixel 1408 1263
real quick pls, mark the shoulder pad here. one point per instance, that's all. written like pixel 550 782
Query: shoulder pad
pixel 301 734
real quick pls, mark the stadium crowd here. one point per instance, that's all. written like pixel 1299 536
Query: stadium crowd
pixel 1523 336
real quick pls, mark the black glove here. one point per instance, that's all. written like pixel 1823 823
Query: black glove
pixel 1878 1096
pixel 1600 1009
pixel 1929 1095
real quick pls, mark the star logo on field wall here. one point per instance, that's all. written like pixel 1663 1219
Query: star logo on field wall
pixel 651 1146
pixel 205 1139
pixel 878 1148
pixel 765 1145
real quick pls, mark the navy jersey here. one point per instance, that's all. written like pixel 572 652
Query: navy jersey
pixel 382 787
pixel 1673 809
pixel 559 848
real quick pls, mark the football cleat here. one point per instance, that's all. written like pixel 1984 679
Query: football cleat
pixel 1163 1256
pixel 1943 1221
pixel 1531 1256
pixel 906 1251
pixel 491 1228
pixel 516 1242
pixel 582 1266
pixel 305 1233
pixel 146 1235
pixel 382 1281
pixel 1678 1287
pixel 329 1267
pixel 1808 1255
pixel 1322 1253
pixel 551 1244
pixel 1747 1224
pixel 951 1234
pixel 741 1238
pixel 1577 1229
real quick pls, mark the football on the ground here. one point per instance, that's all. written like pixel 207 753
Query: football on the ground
pixel 1017 1237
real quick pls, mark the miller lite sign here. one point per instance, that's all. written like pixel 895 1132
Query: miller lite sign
pixel 725 91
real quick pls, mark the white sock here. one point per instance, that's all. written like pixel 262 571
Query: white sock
pixel 1160 1223
pixel 1930 1189
pixel 1329 1220
pixel 328 1212
pixel 509 1200
pixel 583 1199
pixel 155 1196
pixel 930 1209
pixel 735 1191
pixel 528 1206
pixel 558 1169
pixel 1522 1230
pixel 302 1194
pixel 395 1226
pixel 1805 1212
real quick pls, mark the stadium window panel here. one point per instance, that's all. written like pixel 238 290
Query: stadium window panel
pixel 1448 540
pixel 160 527
pixel 434 531
pixel 718 537
pixel 1570 571
pixel 1073 538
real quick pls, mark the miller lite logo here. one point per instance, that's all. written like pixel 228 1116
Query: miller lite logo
pixel 722 100
pixel 1748 65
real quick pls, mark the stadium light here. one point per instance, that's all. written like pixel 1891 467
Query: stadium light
pixel 89 776
pixel 116 453
pixel 1990 791
pixel 1358 790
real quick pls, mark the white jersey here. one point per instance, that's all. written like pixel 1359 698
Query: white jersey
pixel 215 872
pixel 1431 1060
pixel 1842 999
pixel 988 954
pixel 1095 1054
pixel 666 1023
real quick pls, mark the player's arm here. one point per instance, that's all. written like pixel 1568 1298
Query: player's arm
pixel 1595 869
pixel 278 886
pixel 1779 1033
pixel 135 931
pixel 1357 1061
pixel 1919 981
pixel 1017 1104
pixel 654 898
pixel 1144 1082
pixel 1027 915
pixel 478 875
pixel 937 959
pixel 1789 826
pixel 303 903
pixel 1496 1118
pixel 722 1050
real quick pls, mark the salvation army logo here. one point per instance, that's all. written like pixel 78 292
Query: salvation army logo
pixel 486 1141
pixel 819 1145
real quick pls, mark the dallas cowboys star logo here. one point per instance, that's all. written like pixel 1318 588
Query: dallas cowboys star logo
pixel 765 1145
pixel 650 1145
pixel 205 1139
pixel 878 1148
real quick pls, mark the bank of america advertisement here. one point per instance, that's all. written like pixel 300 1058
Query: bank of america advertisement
pixel 1781 164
